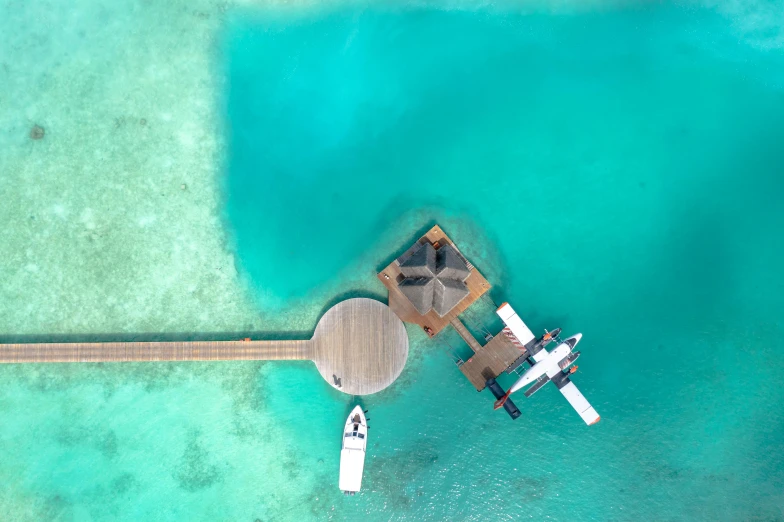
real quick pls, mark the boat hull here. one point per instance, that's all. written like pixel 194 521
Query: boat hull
pixel 352 454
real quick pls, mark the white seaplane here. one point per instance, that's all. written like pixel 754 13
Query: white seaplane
pixel 546 366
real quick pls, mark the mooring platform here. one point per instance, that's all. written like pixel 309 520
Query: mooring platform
pixel 359 346
pixel 498 354
pixel 490 361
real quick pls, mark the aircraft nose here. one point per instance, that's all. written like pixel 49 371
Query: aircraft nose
pixel 573 340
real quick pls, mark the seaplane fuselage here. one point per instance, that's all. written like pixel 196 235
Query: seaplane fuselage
pixel 549 363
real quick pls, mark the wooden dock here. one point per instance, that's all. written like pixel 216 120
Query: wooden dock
pixel 362 343
pixel 399 303
pixel 470 340
pixel 156 351
pixel 359 347
pixel 490 361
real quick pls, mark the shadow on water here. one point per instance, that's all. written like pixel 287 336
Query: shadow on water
pixel 410 239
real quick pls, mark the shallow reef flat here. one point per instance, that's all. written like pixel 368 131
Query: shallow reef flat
pixel 112 220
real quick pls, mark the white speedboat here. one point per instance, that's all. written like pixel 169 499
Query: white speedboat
pixel 352 456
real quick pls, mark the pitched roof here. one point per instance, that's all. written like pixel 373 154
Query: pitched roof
pixel 434 279
pixel 450 265
pixel 419 291
pixel 447 293
pixel 422 262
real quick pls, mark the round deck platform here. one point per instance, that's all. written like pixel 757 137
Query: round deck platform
pixel 360 346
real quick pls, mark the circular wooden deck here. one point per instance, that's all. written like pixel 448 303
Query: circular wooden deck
pixel 360 346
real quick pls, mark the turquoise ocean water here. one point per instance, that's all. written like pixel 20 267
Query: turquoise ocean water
pixel 615 171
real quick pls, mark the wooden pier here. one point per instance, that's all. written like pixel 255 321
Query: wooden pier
pixel 489 360
pixel 359 347
pixel 362 343
pixel 460 328
pixel 399 303
pixel 156 351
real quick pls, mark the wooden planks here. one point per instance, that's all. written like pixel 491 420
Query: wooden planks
pixel 490 361
pixel 155 351
pixel 399 303
pixel 359 341
pixel 470 340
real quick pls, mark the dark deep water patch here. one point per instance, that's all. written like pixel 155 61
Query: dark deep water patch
pixel 626 166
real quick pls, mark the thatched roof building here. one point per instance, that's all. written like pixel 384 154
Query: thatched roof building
pixel 434 279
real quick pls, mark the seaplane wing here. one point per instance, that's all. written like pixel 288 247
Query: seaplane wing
pixel 546 366
pixel 515 324
pixel 579 403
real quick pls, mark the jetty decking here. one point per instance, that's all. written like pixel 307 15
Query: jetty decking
pixel 359 346
pixel 490 360
pixel 156 351
pixel 362 343
pixel 460 328
pixel 399 303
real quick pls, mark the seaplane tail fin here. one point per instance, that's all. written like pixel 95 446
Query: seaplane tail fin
pixel 579 403
pixel 541 381
pixel 500 402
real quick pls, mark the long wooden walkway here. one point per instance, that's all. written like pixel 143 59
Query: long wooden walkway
pixel 360 347
pixel 155 351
